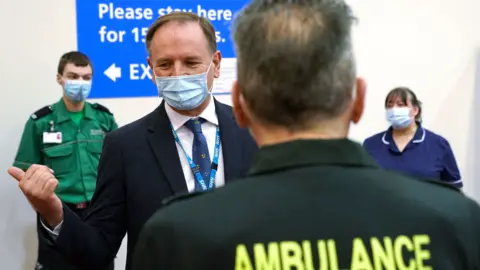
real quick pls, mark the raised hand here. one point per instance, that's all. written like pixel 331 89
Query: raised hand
pixel 38 184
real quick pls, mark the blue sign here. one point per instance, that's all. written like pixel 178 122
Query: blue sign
pixel 112 33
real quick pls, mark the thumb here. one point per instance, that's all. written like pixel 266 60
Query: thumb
pixel 16 173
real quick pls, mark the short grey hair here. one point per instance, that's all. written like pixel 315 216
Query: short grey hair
pixel 295 64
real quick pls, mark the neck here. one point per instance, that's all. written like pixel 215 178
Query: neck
pixel 408 131
pixel 276 135
pixel 197 111
pixel 73 106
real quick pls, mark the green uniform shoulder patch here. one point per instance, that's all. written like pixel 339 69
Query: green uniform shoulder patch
pixel 181 197
pixel 42 112
pixel 102 108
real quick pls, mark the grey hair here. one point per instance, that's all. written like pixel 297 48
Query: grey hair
pixel 295 63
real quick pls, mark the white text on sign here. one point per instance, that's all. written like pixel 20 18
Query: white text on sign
pixel 138 34
pixel 140 72
pixel 109 33
pixel 109 11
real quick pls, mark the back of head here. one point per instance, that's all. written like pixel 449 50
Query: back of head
pixel 294 60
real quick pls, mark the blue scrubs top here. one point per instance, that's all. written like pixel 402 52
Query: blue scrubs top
pixel 427 156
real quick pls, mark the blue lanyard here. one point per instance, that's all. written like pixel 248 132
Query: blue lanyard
pixel 195 168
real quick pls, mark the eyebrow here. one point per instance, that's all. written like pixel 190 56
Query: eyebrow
pixel 196 58
pixel 188 58
pixel 80 75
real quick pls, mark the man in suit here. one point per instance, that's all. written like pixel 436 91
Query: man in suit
pixel 189 143
pixel 313 199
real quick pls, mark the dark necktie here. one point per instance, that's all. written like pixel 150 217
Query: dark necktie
pixel 200 155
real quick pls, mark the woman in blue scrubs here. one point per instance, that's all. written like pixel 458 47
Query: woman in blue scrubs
pixel 406 146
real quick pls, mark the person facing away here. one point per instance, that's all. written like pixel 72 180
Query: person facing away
pixel 313 199
pixel 190 143
pixel 67 137
pixel 406 146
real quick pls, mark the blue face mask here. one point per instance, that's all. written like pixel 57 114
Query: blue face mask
pixel 184 92
pixel 399 117
pixel 77 90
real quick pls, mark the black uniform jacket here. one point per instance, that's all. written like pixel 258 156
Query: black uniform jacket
pixel 315 204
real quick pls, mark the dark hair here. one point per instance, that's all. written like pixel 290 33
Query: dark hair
pixel 74 57
pixel 405 95
pixel 295 64
pixel 182 17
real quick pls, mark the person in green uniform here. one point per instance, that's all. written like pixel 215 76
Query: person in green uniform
pixel 67 136
pixel 313 199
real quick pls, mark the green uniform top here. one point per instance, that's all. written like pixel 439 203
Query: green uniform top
pixel 76 117
pixel 315 204
pixel 69 143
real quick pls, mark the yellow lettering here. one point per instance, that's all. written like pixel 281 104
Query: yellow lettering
pixel 291 255
pixel 322 254
pixel 420 253
pixel 401 242
pixel 327 255
pixel 383 255
pixel 387 253
pixel 360 259
pixel 307 255
pixel 242 260
pixel 264 261
pixel 332 255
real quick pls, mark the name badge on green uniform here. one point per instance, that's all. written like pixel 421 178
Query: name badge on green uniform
pixel 52 137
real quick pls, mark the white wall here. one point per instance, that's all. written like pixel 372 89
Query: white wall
pixel 428 45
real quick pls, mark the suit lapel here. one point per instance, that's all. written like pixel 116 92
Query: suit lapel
pixel 231 145
pixel 164 147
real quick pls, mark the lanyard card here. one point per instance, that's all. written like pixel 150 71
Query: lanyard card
pixel 52 137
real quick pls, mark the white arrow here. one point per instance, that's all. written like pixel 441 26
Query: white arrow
pixel 113 72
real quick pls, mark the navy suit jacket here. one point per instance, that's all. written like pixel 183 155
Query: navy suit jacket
pixel 138 169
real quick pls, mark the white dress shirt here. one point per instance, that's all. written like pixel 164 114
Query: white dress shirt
pixel 209 130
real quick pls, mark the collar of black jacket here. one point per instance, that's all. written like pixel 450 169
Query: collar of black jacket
pixel 301 153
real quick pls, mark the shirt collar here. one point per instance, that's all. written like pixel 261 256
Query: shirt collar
pixel 61 112
pixel 341 152
pixel 178 120
pixel 419 136
pixel 88 111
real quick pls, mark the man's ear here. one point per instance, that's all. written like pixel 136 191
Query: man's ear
pixel 149 61
pixel 359 103
pixel 60 80
pixel 217 59
pixel 239 106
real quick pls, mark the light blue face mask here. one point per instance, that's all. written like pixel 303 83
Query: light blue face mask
pixel 77 90
pixel 399 117
pixel 185 92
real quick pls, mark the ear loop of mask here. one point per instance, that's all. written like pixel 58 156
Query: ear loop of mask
pixel 210 90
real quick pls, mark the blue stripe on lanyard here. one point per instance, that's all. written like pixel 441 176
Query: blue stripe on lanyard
pixel 194 167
